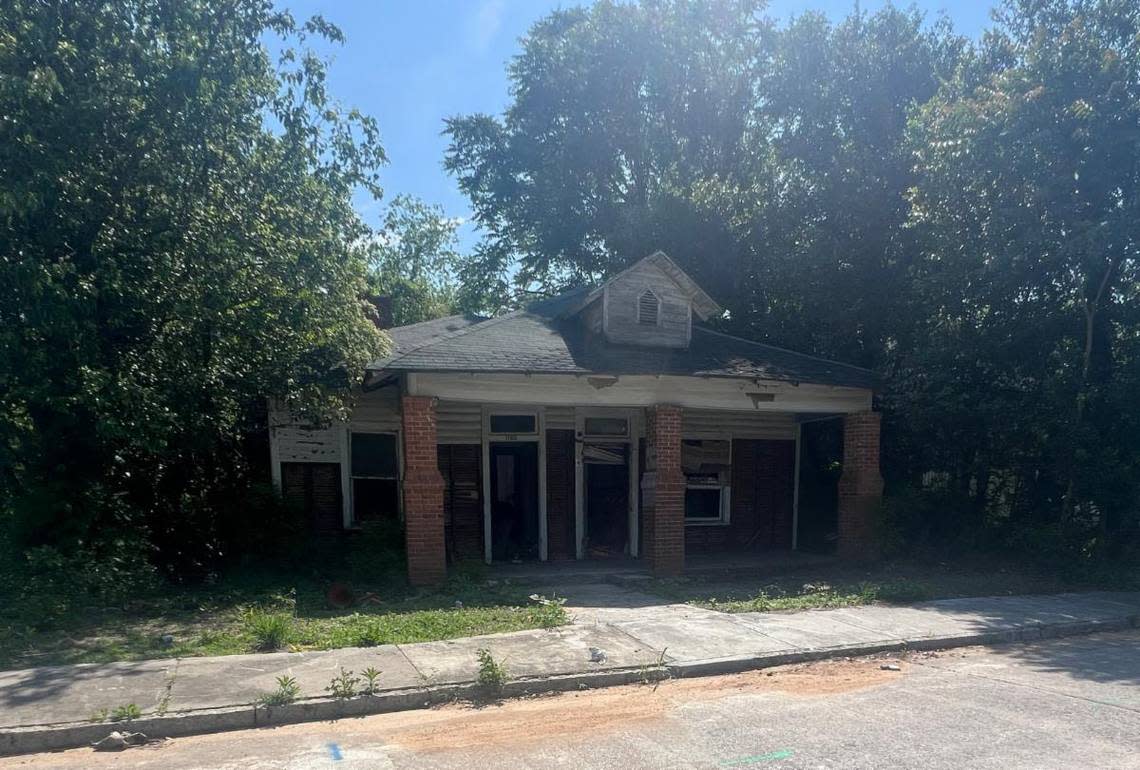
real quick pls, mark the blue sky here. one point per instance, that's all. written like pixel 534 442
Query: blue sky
pixel 412 64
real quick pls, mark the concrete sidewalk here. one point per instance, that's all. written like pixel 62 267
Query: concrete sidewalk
pixel 616 635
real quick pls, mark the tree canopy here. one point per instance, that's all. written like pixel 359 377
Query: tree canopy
pixel 178 243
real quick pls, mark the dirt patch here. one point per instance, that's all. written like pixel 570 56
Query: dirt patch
pixel 584 714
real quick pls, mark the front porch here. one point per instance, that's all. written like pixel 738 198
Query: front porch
pixel 583 492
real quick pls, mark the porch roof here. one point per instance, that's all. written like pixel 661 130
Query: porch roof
pixel 539 340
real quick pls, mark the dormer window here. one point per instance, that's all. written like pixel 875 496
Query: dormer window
pixel 648 307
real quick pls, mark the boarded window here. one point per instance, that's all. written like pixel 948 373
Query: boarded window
pixel 647 308
pixel 315 489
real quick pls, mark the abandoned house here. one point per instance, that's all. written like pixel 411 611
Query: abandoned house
pixel 603 423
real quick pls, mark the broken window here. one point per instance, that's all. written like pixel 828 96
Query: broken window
pixel 707 465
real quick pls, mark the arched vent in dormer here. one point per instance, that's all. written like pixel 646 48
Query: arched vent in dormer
pixel 648 306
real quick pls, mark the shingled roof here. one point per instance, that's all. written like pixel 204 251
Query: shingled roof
pixel 540 340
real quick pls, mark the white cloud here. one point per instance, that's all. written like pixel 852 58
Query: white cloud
pixel 485 24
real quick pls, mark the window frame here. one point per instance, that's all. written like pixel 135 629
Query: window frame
pixel 352 477
pixel 508 412
pixel 724 488
pixel 601 437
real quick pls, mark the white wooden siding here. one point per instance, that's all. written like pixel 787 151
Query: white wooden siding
pixel 711 423
pixel 560 418
pixel 377 410
pixel 297 445
pixel 459 422
pixel 621 297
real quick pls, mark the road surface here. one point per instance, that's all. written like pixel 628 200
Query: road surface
pixel 1058 704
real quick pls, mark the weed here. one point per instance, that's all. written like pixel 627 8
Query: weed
pixel 100 715
pixel 269 630
pixel 552 612
pixel 903 591
pixel 492 674
pixel 343 685
pixel 126 713
pixel 286 692
pixel 371 675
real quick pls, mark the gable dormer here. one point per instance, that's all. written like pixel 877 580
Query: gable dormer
pixel 650 304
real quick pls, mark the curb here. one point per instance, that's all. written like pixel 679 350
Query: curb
pixel 56 737
pixel 69 735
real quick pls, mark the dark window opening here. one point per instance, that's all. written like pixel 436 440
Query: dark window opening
pixel 375 477
pixel 375 500
pixel 512 423
pixel 374 455
pixel 702 503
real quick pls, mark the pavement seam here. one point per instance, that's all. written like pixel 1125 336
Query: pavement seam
pixel 423 677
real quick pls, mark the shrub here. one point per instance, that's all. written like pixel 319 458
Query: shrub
pixel 269 630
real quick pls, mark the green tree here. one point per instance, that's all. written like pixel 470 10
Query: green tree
pixel 413 260
pixel 829 246
pixel 1028 203
pixel 622 115
pixel 178 244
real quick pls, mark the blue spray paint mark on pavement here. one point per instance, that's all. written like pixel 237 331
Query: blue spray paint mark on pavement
pixel 334 752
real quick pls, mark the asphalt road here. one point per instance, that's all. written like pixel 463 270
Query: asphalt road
pixel 1069 703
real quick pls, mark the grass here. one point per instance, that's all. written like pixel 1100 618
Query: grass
pixel 892 583
pixel 262 611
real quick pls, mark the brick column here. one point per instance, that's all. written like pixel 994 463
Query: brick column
pixel 860 486
pixel 423 493
pixel 663 492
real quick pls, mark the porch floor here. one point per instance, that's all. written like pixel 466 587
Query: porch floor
pixel 616 570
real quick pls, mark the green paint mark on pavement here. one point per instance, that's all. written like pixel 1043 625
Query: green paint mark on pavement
pixel 769 757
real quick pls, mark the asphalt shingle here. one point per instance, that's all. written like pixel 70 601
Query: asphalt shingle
pixel 539 341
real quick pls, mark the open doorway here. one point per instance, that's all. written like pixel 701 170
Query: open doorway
pixel 514 501
pixel 606 486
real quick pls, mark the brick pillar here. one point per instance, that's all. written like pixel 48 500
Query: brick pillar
pixel 860 486
pixel 663 492
pixel 423 493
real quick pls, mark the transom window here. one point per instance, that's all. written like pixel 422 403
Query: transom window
pixel 707 464
pixel 514 424
pixel 648 307
pixel 605 426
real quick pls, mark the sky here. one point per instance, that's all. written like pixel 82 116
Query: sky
pixel 413 63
